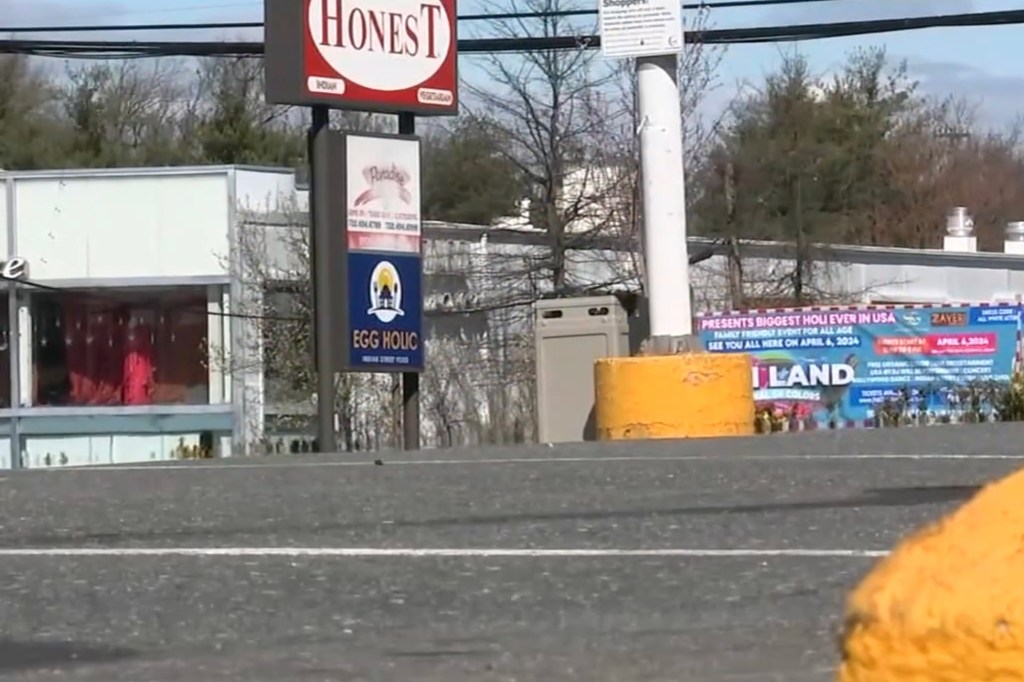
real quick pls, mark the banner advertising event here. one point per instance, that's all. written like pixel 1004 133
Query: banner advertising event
pixel 841 365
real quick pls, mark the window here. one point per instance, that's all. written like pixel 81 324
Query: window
pixel 287 343
pixel 5 355
pixel 116 347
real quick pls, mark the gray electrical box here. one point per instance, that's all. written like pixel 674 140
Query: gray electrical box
pixel 571 333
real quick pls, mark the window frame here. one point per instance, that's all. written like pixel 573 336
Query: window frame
pixel 28 299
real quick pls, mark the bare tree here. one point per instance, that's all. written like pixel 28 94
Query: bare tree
pixel 124 113
pixel 478 387
pixel 31 134
pixel 275 363
pixel 617 209
pixel 940 158
pixel 549 106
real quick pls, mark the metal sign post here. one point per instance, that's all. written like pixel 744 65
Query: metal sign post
pixel 410 380
pixel 319 252
pixel 365 204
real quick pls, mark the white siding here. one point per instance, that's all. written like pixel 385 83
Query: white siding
pixel 264 191
pixel 123 226
pixel 3 218
pixel 868 282
pixel 58 451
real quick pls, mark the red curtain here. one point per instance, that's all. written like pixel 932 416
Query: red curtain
pixel 181 347
pixel 124 355
pixel 109 356
pixel 137 384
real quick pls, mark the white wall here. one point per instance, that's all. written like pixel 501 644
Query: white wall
pixel 267 190
pixel 600 196
pixel 867 282
pixel 58 451
pixel 881 282
pixel 106 225
pixel 3 217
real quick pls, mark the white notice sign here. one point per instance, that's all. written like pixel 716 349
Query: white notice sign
pixel 383 193
pixel 641 28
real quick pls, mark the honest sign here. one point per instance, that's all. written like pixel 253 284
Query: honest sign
pixel 369 55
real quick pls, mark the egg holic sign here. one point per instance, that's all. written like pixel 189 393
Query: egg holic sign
pixel 367 55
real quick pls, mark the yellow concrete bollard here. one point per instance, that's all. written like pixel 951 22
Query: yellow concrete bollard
pixel 947 605
pixel 691 395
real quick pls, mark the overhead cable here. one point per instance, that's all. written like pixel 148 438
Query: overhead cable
pixel 83 49
pixel 486 16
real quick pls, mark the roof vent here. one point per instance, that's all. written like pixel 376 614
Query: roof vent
pixel 959 222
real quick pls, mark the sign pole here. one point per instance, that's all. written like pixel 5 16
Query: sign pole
pixel 651 32
pixel 320 266
pixel 664 206
pixel 410 380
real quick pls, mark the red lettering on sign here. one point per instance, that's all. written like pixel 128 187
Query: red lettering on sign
pixel 380 30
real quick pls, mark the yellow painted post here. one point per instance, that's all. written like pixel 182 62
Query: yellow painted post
pixel 947 605
pixel 690 395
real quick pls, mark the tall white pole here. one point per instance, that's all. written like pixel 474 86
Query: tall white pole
pixel 664 197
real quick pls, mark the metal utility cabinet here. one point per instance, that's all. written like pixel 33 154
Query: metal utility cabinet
pixel 570 334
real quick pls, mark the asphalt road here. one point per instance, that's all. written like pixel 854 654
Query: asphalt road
pixel 169 573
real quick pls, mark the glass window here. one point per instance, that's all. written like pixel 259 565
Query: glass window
pixel 117 347
pixel 287 346
pixel 5 354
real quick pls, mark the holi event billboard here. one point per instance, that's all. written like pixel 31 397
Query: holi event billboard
pixel 839 365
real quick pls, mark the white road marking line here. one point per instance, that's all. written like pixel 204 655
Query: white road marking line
pixel 520 460
pixel 415 553
pixel 206 466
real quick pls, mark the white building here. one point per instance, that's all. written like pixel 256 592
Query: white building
pixel 108 354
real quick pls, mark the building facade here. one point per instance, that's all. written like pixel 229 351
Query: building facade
pixel 112 334
pixel 133 327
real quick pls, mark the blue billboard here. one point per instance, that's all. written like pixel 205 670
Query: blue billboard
pixel 843 364
pixel 385 312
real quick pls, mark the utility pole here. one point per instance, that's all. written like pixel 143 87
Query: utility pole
pixel 651 32
pixel 735 262
pixel 674 390
pixel 664 204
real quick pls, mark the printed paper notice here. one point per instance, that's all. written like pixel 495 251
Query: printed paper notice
pixel 639 28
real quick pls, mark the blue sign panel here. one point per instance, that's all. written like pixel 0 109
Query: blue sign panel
pixel 828 365
pixel 385 303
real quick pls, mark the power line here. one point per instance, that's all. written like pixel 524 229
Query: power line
pixel 211 26
pixel 97 296
pixel 768 34
pixel 723 4
pixel 111 303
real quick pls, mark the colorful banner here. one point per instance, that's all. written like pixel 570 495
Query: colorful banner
pixel 841 365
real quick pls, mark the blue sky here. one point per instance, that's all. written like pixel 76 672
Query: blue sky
pixel 978 63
